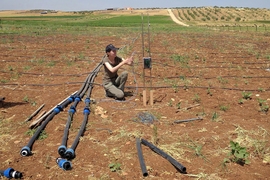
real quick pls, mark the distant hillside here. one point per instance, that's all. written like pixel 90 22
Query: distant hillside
pixel 222 16
pixel 194 16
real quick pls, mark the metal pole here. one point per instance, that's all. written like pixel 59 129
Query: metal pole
pixel 143 53
pixel 149 52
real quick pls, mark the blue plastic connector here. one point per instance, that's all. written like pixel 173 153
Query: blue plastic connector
pixel 87 100
pixel 25 151
pixel 70 154
pixel 71 98
pixel 11 173
pixel 62 150
pixel 72 109
pixel 64 164
pixel 78 99
pixel 86 110
pixel 58 109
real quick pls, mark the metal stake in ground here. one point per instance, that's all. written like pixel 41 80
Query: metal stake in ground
pixel 147 63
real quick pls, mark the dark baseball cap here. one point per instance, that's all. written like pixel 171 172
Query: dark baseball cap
pixel 110 47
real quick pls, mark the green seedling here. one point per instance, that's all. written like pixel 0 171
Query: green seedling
pixel 263 106
pixel 197 98
pixel 224 108
pixel 209 92
pixel 215 116
pixel 237 154
pixel 241 101
pixel 115 167
pixel 178 105
pixel 246 95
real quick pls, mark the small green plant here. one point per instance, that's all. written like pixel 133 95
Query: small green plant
pixel 237 154
pixel 196 98
pixel 261 101
pixel 25 99
pixel 215 116
pixel 209 92
pixel 178 105
pixel 222 80
pixel 81 56
pixel 246 95
pixel 170 103
pixel 115 166
pixel 3 81
pixel 51 64
pixel 264 107
pixel 241 101
pixel 261 89
pixel 10 68
pixel 175 88
pixel 223 108
pixel 27 67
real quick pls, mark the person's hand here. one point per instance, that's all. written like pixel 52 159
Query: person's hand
pixel 130 60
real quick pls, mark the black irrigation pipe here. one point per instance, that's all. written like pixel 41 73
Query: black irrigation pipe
pixel 198 87
pixel 70 153
pixel 63 163
pixel 140 156
pixel 62 150
pixel 188 120
pixel 175 163
pixel 11 173
pixel 26 150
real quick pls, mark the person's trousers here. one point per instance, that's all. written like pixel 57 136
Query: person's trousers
pixel 116 87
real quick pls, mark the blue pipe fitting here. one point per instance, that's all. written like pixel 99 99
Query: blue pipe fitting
pixel 11 173
pixel 25 151
pixel 58 109
pixel 87 100
pixel 78 99
pixel 62 150
pixel 72 109
pixel 71 98
pixel 70 154
pixel 86 110
pixel 64 164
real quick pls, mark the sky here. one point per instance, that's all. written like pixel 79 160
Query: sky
pixel 89 5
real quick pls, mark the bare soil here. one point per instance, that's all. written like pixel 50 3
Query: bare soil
pixel 218 68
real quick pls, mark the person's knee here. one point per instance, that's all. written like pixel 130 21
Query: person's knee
pixel 124 74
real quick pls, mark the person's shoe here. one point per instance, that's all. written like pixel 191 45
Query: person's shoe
pixel 120 99
pixel 128 94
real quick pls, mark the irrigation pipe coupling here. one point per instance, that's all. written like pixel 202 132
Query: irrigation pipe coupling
pixel 64 164
pixel 58 109
pixel 72 109
pixel 86 111
pixel 69 154
pixel 87 100
pixel 62 150
pixel 25 151
pixel 11 173
pixel 77 99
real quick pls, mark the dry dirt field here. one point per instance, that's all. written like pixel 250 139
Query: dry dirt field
pixel 221 76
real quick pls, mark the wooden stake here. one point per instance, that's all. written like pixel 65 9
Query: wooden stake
pixel 144 97
pixel 151 97
pixel 37 121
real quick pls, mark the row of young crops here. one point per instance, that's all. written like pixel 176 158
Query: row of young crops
pixel 215 14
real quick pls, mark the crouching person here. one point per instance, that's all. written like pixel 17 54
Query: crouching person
pixel 113 83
